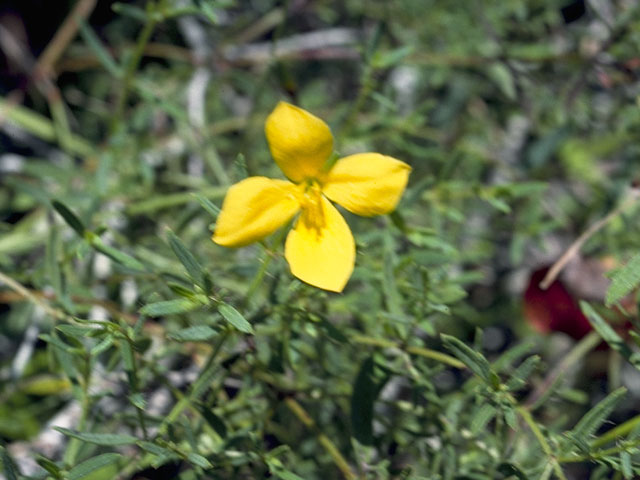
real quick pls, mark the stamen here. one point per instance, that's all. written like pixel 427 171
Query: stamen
pixel 311 203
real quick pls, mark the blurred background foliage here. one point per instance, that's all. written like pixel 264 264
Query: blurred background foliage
pixel 133 347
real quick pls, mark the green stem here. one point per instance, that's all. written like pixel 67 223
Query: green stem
pixel 583 347
pixel 413 350
pixel 74 444
pixel 615 433
pixel 266 261
pixel 593 456
pixel 132 65
pixel 526 416
pixel 184 402
pixel 325 441
pixel 366 85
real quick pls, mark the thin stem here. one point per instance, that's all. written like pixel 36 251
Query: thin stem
pixel 413 350
pixel 631 198
pixel 74 444
pixel 185 401
pixel 26 293
pixel 266 261
pixel 546 448
pixel 325 441
pixel 583 347
pixel 132 65
pixel 615 433
pixel 599 454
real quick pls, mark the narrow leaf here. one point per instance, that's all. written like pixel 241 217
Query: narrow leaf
pixel 365 392
pixel 94 43
pixel 212 419
pixel 609 335
pixel 472 359
pixel 8 466
pixel 169 307
pixel 72 220
pixel 86 468
pixel 235 318
pixel 208 205
pixel 624 280
pixel 107 439
pixel 199 460
pixel 197 333
pixel 595 417
pixel 115 255
pixel 519 377
pixel 482 417
pixel 187 259
pixel 50 467
pixel 285 474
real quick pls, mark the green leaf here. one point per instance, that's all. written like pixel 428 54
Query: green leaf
pixel 509 471
pixel 624 280
pixel 94 43
pixel 187 259
pixel 366 388
pixel 197 333
pixel 199 460
pixel 285 474
pixel 510 356
pixel 476 362
pixel 129 11
pixel 609 335
pixel 114 254
pixel 107 439
pixel 8 466
pixel 169 307
pixel 156 449
pixel 208 205
pixel 78 331
pixel 50 467
pixel 86 468
pixel 212 419
pixel 235 318
pixel 519 377
pixel 72 220
pixel 482 417
pixel 595 417
pixel 625 465
pixel 392 57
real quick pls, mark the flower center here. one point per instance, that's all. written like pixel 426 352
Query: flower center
pixel 311 204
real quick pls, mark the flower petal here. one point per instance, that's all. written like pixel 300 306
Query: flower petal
pixel 300 142
pixel 367 183
pixel 254 208
pixel 322 257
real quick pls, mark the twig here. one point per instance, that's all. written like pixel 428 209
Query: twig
pixel 63 36
pixel 26 293
pixel 631 198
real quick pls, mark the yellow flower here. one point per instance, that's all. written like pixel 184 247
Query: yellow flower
pixel 320 249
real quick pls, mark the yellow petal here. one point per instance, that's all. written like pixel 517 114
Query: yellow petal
pixel 367 183
pixel 254 208
pixel 321 254
pixel 299 141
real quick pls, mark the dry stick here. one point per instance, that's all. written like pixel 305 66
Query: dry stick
pixel 26 293
pixel 63 36
pixel 632 198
